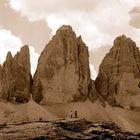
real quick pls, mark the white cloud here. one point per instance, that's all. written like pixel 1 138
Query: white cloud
pixel 34 59
pixel 93 72
pixel 37 8
pixel 135 17
pixel 98 21
pixel 9 42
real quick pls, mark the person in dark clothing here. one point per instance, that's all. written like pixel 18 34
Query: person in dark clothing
pixel 75 114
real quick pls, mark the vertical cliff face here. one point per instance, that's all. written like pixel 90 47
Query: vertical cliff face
pixel 119 74
pixel 92 92
pixel 15 76
pixel 62 73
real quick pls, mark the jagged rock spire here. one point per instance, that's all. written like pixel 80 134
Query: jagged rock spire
pixel 9 56
pixel 62 73
pixel 119 73
pixel 16 77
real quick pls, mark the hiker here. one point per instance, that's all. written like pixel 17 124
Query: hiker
pixel 75 114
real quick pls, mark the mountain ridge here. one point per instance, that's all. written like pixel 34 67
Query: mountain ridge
pixel 62 82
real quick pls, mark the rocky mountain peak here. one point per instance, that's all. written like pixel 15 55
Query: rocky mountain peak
pixel 62 73
pixel 16 77
pixel 24 57
pixel 24 51
pixel 65 28
pixel 119 73
pixel 65 32
pixel 123 41
pixel 9 56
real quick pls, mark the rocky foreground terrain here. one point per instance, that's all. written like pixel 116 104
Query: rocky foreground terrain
pixel 66 129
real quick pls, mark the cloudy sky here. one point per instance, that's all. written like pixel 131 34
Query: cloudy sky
pixel 33 22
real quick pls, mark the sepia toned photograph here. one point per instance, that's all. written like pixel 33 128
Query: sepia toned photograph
pixel 69 69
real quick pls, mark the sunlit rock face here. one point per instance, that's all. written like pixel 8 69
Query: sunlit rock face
pixel 15 77
pixel 62 73
pixel 118 80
